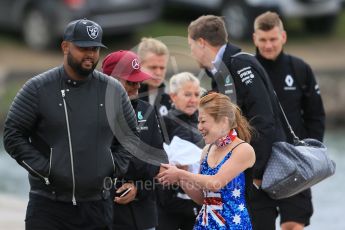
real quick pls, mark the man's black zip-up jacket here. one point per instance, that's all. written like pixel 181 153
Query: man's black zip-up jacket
pixel 62 132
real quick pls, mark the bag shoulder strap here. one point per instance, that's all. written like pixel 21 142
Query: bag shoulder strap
pixel 162 127
pixel 299 73
pixel 266 82
pixel 264 78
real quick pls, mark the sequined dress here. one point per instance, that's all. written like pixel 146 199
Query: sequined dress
pixel 226 208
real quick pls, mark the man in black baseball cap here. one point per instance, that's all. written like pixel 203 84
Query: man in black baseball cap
pixel 84 33
pixel 81 43
pixel 60 130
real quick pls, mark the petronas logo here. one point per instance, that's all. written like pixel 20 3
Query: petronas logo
pixel 227 80
pixel 140 116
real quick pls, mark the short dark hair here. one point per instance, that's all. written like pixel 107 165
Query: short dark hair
pixel 268 21
pixel 209 27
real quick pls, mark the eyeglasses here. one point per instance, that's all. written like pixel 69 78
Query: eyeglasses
pixel 132 83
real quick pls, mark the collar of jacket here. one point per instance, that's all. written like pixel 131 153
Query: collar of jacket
pixel 134 103
pixel 183 116
pixel 74 83
pixel 267 62
pixel 145 87
pixel 230 50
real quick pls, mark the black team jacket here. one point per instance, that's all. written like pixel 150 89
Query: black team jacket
pixel 142 212
pixel 255 96
pixel 299 94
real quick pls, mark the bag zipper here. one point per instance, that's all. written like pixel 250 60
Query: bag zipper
pixel 70 146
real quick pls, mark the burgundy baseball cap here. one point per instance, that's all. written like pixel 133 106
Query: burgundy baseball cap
pixel 125 65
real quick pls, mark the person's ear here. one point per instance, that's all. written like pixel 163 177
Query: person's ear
pixel 254 38
pixel 201 42
pixel 173 97
pixel 65 47
pixel 284 36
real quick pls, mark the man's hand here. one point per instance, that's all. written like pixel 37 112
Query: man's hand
pixel 161 169
pixel 126 197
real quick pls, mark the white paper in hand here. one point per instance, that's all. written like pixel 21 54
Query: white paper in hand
pixel 182 152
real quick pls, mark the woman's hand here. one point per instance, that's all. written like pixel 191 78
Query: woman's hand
pixel 183 167
pixel 170 175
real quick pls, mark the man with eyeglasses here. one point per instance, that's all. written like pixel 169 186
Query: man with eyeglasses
pixel 137 209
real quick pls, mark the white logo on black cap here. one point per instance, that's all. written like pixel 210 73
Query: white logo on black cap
pixel 135 64
pixel 92 31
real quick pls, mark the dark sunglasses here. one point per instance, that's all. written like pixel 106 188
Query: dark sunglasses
pixel 132 83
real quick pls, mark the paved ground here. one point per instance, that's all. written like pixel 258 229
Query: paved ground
pixel 12 212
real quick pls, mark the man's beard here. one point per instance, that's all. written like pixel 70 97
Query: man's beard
pixel 78 68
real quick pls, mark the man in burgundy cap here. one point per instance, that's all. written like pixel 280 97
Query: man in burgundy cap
pixel 137 208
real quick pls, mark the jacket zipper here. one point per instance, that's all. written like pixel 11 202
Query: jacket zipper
pixel 112 160
pixel 50 161
pixel 70 146
pixel 37 173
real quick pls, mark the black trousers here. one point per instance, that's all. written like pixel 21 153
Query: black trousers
pixel 180 214
pixel 45 214
pixel 264 210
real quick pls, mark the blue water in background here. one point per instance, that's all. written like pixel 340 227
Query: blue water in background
pixel 328 196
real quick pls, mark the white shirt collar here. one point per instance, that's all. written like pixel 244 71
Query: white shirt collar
pixel 218 59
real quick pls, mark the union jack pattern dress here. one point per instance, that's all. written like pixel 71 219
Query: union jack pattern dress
pixel 226 208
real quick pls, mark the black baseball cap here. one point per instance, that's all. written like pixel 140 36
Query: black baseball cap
pixel 84 33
